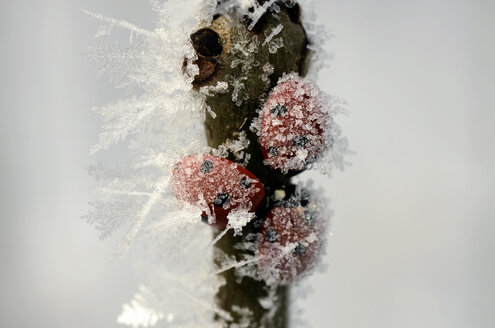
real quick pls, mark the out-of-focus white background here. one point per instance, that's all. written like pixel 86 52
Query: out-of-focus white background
pixel 414 224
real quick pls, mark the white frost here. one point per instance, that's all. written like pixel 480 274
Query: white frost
pixel 274 32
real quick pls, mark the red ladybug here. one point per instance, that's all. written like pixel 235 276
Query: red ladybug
pixel 216 185
pixel 293 123
pixel 290 243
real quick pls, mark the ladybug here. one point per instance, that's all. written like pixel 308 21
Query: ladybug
pixel 290 242
pixel 216 185
pixel 293 124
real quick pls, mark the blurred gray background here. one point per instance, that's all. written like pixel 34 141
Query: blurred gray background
pixel 413 230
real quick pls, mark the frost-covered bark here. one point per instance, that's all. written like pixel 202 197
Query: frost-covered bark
pixel 252 56
pixel 210 88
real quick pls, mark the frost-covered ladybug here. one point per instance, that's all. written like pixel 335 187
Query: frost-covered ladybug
pixel 217 186
pixel 293 125
pixel 290 244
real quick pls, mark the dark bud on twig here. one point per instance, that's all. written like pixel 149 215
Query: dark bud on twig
pixel 208 68
pixel 206 42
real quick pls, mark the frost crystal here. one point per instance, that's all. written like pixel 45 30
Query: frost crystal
pixel 273 33
pixel 243 51
pixel 160 123
pixel 138 314
pixel 236 148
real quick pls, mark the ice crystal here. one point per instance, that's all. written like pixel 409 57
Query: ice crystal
pixel 114 59
pixel 243 51
pixel 179 285
pixel 138 313
pixel 235 147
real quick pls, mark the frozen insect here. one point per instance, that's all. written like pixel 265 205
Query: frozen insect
pixel 293 123
pixel 289 246
pixel 216 185
pixel 291 237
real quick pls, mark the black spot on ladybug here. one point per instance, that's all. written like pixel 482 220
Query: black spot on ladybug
pixel 257 223
pixel 300 141
pixel 206 167
pixel 271 235
pixel 279 110
pixel 309 217
pixel 204 218
pixel 245 183
pixel 272 151
pixel 221 199
pixel 206 42
pixel 300 249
